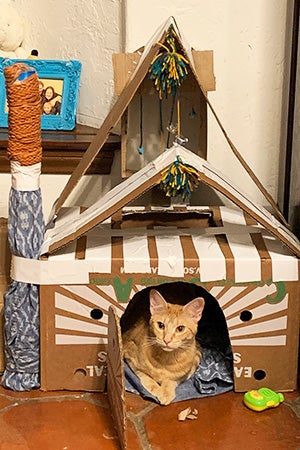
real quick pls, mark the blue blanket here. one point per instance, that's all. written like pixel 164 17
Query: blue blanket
pixel 213 376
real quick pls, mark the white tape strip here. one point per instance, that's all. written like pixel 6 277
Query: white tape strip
pixel 25 178
pixel 51 272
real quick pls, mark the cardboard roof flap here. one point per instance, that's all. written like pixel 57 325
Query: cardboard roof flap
pixel 150 175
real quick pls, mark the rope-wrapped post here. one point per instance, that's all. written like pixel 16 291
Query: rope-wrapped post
pixel 24 118
pixel 25 226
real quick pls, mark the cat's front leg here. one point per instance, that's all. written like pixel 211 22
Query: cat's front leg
pixel 149 383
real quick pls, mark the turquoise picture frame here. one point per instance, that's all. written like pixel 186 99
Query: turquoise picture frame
pixel 63 77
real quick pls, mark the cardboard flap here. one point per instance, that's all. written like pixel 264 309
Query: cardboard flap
pixel 204 67
pixel 116 376
pixel 146 178
pixel 126 63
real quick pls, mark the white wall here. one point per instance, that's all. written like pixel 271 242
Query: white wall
pixel 248 39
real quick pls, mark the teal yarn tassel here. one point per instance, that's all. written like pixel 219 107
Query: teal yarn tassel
pixel 180 179
pixel 168 69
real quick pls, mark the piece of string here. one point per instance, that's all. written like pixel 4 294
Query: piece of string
pixel 141 146
pixel 161 127
pixel 24 115
pixel 178 118
pixel 171 119
pixel 242 161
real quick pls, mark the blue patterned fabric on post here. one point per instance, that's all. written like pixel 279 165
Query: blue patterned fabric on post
pixel 21 302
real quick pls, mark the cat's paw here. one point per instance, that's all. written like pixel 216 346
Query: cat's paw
pixel 165 398
pixel 166 393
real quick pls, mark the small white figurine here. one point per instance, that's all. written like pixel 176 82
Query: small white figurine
pixel 12 32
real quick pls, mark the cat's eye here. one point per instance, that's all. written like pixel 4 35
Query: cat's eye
pixel 161 325
pixel 180 328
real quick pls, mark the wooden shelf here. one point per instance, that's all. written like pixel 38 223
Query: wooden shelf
pixel 62 151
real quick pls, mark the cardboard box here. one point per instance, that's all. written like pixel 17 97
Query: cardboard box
pixel 254 278
pixel 4 279
pixel 96 259
pixel 248 261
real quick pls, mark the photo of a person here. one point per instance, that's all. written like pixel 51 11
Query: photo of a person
pixel 51 96
pixel 52 99
pixel 47 108
pixel 41 87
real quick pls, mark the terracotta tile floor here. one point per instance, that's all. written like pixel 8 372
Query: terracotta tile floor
pixel 81 421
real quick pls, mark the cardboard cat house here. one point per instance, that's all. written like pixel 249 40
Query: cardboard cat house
pixel 96 258
pixel 247 260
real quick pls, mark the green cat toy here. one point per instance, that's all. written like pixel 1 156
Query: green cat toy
pixel 262 399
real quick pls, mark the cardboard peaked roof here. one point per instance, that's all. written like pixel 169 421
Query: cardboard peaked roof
pixel 150 175
pixel 151 49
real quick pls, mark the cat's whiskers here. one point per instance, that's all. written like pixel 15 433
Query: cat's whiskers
pixel 150 341
pixel 185 345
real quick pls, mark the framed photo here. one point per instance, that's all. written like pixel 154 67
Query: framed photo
pixel 59 87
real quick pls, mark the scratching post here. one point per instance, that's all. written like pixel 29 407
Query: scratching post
pixel 25 226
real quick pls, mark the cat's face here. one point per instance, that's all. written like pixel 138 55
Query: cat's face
pixel 174 326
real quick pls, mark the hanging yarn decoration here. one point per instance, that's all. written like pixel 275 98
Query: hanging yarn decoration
pixel 180 179
pixel 168 69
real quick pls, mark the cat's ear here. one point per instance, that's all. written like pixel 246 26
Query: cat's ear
pixel 194 309
pixel 157 302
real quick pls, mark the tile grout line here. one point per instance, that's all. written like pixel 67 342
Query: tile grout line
pixel 137 420
pixel 56 398
pixel 140 431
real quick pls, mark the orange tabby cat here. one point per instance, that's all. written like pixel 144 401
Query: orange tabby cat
pixel 164 352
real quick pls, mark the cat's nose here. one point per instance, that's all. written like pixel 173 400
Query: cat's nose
pixel 167 340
